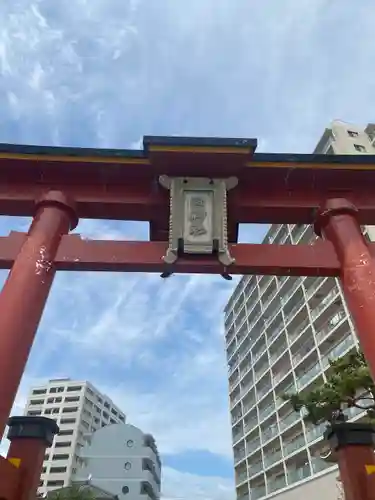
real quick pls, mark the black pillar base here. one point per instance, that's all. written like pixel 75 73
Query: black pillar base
pixel 41 428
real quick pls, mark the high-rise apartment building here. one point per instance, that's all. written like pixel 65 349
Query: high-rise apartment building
pixel 78 408
pixel 280 334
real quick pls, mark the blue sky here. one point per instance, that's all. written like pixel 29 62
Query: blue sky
pixel 103 73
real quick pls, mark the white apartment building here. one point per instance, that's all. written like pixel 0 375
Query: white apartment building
pixel 123 461
pixel 280 334
pixel 79 409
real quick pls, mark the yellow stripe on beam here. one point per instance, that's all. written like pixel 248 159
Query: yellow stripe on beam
pixel 307 166
pixel 370 469
pixel 74 159
pixel 15 461
pixel 199 149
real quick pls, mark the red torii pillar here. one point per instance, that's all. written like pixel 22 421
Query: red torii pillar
pixel 337 222
pixel 26 290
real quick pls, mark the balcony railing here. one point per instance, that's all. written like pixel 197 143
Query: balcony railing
pixel 236 418
pixel 269 433
pixel 276 331
pixel 315 432
pixel 272 458
pixel 299 233
pixel 295 475
pixel 280 375
pixel 263 391
pixel 235 399
pixel 278 353
pixel 290 389
pixel 237 435
pixel 239 454
pixel 289 420
pixel 242 476
pixel 313 288
pixel 328 299
pixel 248 406
pixel 258 492
pixel 318 464
pixel 293 335
pixel 294 445
pixel 285 298
pixel 255 468
pixel 266 411
pixel 252 445
pixel 259 353
pixel 337 351
pixel 246 388
pixel 250 425
pixel 244 497
pixel 302 352
pixel 261 371
pixel 308 376
pixel 276 484
pixel 330 325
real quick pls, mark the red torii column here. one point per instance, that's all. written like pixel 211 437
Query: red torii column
pixel 26 290
pixel 337 222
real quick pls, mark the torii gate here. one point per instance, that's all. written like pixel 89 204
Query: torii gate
pixel 194 193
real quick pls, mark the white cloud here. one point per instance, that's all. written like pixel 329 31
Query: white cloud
pixel 184 486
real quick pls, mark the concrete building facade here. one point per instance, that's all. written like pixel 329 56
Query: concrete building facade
pixel 280 334
pixel 78 408
pixel 122 460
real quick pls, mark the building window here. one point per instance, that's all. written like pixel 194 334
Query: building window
pixel 122 418
pixel 127 466
pixel 55 483
pixel 34 413
pixel 72 399
pixel 68 421
pixel 36 401
pixel 39 391
pixel 105 415
pixel 89 403
pixel 73 409
pixel 100 400
pixel 74 388
pixel 89 391
pixel 352 133
pixel 63 444
pixel 61 456
pixel 114 412
pixel 125 490
pixel 48 411
pixel 112 421
pixel 54 400
pixel 56 389
pixel 85 424
pixel 57 470
pixel 359 148
pixel 46 457
pixel 66 432
pixel 44 470
pixel 130 443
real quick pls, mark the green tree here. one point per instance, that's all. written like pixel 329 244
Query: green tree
pixel 349 384
pixel 72 493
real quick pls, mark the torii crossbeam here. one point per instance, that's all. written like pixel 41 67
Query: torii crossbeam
pixel 194 193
